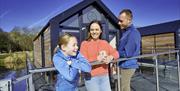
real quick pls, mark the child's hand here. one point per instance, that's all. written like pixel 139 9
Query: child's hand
pixel 69 62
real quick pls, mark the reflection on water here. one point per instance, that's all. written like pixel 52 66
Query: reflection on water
pixel 12 62
pixel 15 66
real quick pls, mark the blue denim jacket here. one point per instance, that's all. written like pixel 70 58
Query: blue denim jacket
pixel 129 46
pixel 68 75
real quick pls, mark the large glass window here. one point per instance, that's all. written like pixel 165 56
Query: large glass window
pixel 91 13
pixel 71 22
pixel 73 32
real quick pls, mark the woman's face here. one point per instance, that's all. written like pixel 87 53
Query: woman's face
pixel 71 48
pixel 95 31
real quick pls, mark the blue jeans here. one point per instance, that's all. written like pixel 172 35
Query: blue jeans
pixel 98 83
pixel 65 89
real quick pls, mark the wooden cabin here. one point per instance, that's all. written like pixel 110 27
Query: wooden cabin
pixel 75 21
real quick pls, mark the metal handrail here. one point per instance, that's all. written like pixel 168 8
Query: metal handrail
pixel 136 57
pixel 21 78
pixel 39 70
pixel 98 63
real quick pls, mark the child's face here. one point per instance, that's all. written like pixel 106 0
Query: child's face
pixel 71 48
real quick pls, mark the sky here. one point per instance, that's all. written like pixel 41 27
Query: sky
pixel 33 13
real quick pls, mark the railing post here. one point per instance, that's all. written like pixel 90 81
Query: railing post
pixel 119 79
pixel 31 85
pixel 178 71
pixel 157 73
pixel 153 51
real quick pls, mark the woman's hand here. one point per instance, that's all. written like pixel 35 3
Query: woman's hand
pixel 109 59
pixel 102 56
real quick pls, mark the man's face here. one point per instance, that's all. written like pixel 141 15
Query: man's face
pixel 124 21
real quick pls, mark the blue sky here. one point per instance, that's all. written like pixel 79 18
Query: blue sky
pixel 32 13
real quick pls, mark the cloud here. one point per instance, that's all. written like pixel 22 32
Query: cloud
pixel 4 14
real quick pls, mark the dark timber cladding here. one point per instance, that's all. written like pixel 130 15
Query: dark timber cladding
pixel 163 28
pixel 74 21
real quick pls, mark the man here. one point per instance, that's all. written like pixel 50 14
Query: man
pixel 129 46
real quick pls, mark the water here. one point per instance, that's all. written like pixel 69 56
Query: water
pixel 6 71
pixel 13 66
pixel 12 62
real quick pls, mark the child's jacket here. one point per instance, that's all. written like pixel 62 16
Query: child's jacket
pixel 68 75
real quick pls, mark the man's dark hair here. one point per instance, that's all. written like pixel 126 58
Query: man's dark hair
pixel 128 12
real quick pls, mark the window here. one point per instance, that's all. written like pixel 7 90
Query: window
pixel 90 13
pixel 73 32
pixel 71 22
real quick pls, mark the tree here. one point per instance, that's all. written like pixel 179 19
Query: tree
pixel 4 41
pixel 1 30
pixel 22 38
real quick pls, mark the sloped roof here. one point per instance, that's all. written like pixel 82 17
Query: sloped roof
pixel 167 27
pixel 80 6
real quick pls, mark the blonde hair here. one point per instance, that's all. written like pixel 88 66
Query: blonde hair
pixel 63 40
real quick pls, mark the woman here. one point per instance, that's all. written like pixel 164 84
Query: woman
pixel 96 49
